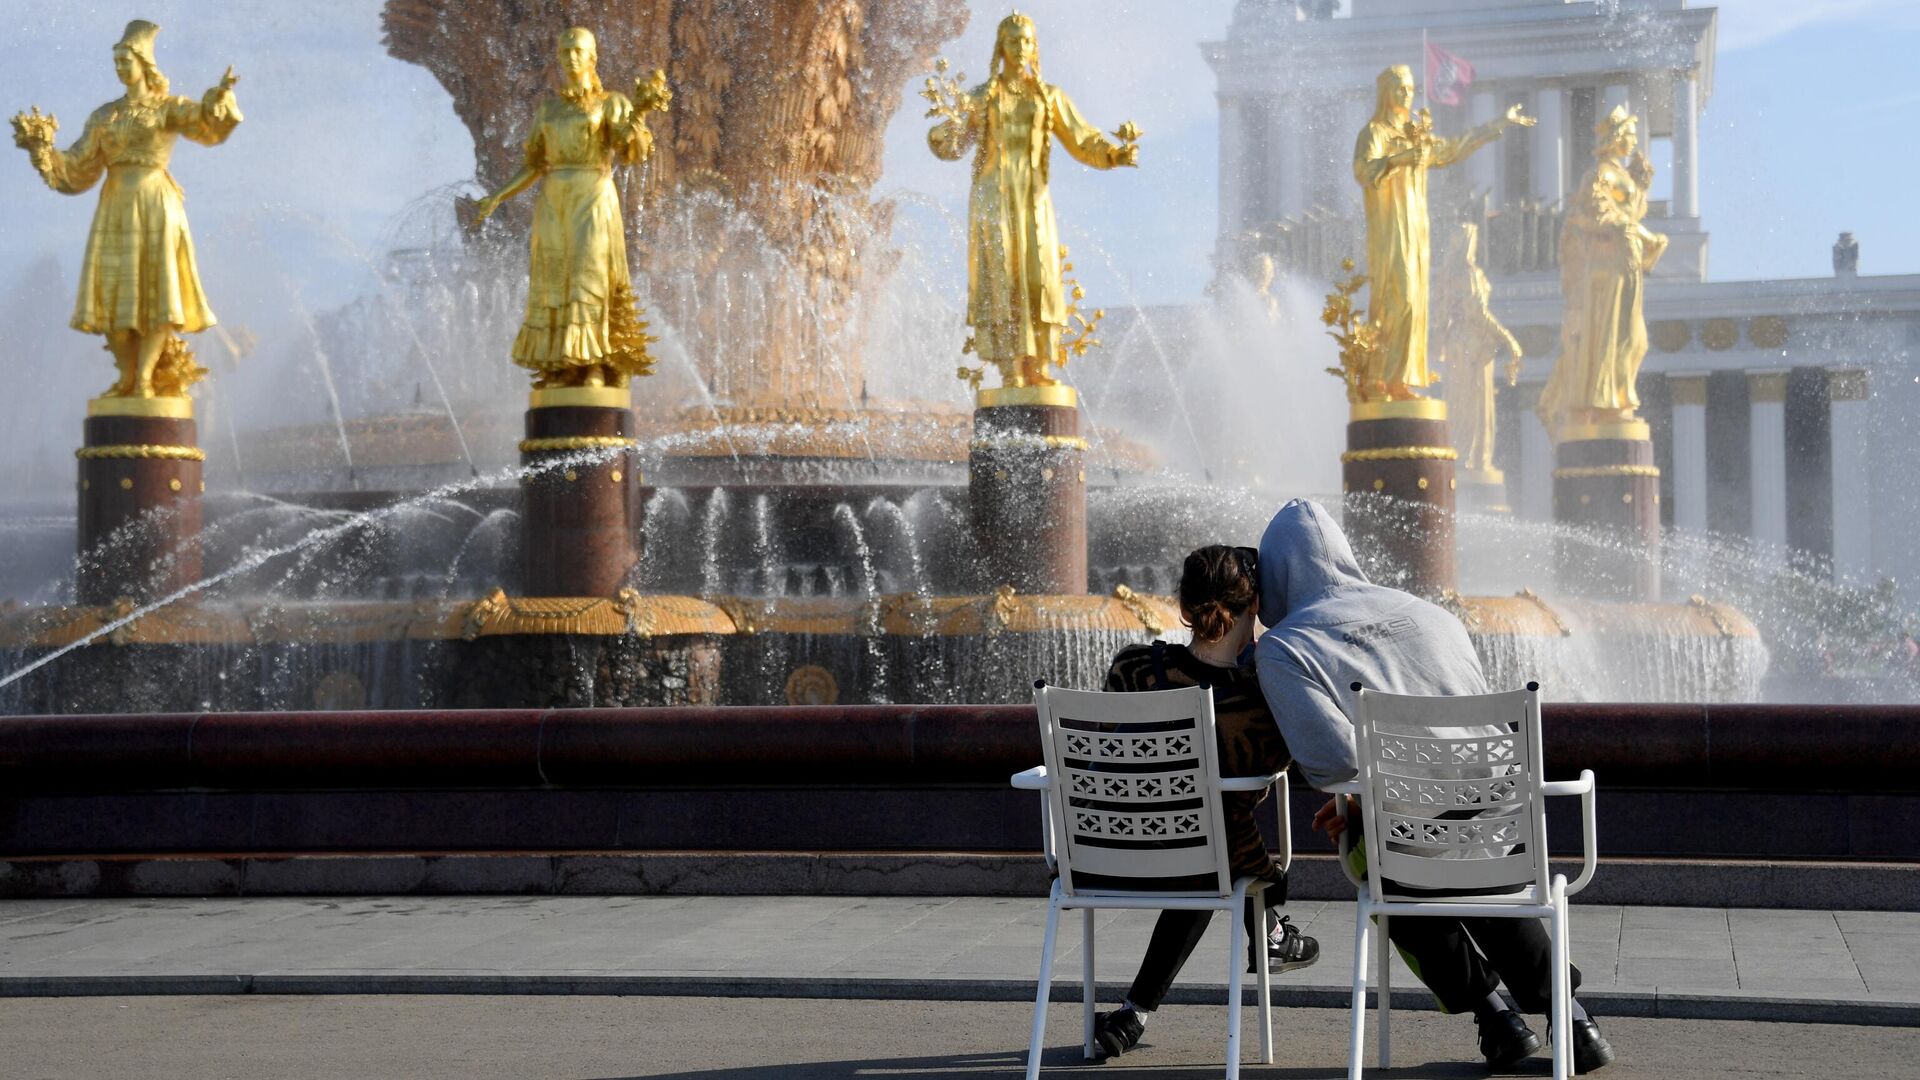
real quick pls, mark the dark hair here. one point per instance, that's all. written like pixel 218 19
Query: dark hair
pixel 1217 585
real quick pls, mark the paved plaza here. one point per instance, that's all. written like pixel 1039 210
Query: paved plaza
pixel 1710 963
pixel 420 1037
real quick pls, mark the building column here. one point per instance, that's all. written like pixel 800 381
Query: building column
pixel 1287 144
pixel 1481 166
pixel 1535 498
pixel 1689 449
pixel 1767 435
pixel 1549 150
pixel 1686 146
pixel 1852 473
pixel 1233 184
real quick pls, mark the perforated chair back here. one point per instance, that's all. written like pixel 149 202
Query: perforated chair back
pixel 1452 788
pixel 1135 798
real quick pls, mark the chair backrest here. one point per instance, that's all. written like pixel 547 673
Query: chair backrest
pixel 1452 790
pixel 1135 795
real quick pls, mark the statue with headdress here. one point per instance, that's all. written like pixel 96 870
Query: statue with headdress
pixel 1467 339
pixel 1390 161
pixel 582 326
pixel 1605 253
pixel 1019 303
pixel 139 284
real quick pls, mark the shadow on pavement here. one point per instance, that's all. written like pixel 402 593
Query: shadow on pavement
pixel 1066 1061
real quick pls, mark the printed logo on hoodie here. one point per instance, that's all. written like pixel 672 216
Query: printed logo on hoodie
pixel 1374 631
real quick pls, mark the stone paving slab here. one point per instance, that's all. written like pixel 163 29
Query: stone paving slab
pixel 1852 967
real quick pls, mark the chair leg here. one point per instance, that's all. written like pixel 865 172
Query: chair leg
pixel 1086 981
pixel 1385 991
pixel 1263 967
pixel 1359 1034
pixel 1558 936
pixel 1236 948
pixel 1046 985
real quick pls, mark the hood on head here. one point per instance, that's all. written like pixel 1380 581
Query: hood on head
pixel 1303 557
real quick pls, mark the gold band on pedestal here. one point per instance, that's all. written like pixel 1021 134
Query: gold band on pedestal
pixel 126 451
pixel 604 397
pixel 1401 453
pixel 1582 472
pixel 1027 442
pixel 1405 409
pixel 1059 394
pixel 1629 430
pixel 576 442
pixel 169 408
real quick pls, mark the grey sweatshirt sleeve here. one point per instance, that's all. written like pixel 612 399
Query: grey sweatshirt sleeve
pixel 1318 733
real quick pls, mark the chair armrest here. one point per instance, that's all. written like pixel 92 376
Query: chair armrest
pixel 1034 779
pixel 1569 787
pixel 1345 787
pixel 1249 783
pixel 1589 845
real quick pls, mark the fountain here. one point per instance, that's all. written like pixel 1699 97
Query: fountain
pixel 749 524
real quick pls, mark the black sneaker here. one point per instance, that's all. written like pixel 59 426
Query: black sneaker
pixel 1505 1038
pixel 1287 949
pixel 1590 1048
pixel 1118 1031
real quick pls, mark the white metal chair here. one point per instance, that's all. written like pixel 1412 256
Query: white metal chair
pixel 1132 797
pixel 1425 764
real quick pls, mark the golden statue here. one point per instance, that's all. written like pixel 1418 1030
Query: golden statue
pixel 1466 339
pixel 1605 253
pixel 1017 303
pixel 1390 160
pixel 138 283
pixel 582 327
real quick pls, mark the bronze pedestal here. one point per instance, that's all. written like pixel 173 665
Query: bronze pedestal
pixel 1398 476
pixel 579 499
pixel 1604 480
pixel 140 487
pixel 1027 489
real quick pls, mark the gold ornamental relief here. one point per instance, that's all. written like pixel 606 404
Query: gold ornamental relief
pixel 1767 331
pixel 1719 334
pixel 811 684
pixel 1670 335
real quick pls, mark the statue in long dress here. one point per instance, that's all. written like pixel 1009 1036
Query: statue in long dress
pixel 1467 338
pixel 139 285
pixel 1017 303
pixel 582 327
pixel 1390 160
pixel 1605 253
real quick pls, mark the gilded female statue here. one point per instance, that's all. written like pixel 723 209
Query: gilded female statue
pixel 1016 302
pixel 1467 338
pixel 1390 160
pixel 139 286
pixel 581 328
pixel 1605 252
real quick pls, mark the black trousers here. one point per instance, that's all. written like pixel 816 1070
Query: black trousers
pixel 1464 960
pixel 1176 934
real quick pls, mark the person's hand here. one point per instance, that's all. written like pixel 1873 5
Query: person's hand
pixel 1129 155
pixel 1332 818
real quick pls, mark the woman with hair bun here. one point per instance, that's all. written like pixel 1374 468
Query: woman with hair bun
pixel 1220 603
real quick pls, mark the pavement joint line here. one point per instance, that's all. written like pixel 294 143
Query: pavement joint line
pixel 1654 1002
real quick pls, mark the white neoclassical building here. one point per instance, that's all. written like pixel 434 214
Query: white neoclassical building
pixel 1778 407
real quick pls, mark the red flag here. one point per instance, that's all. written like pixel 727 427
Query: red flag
pixel 1447 75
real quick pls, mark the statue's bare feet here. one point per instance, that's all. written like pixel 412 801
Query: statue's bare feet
pixel 1400 392
pixel 596 376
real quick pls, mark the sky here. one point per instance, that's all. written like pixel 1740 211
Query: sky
pixel 340 140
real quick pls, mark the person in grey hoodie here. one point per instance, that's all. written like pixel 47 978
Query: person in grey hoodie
pixel 1329 628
